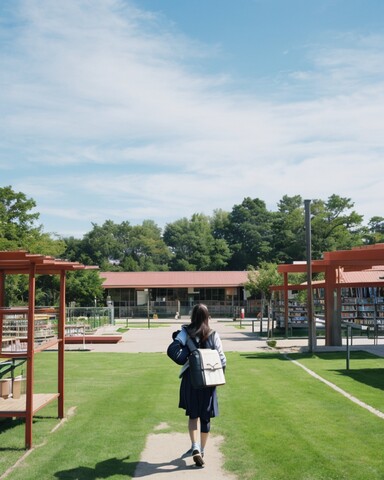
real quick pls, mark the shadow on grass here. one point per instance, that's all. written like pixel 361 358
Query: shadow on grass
pixel 341 355
pixel 264 356
pixel 9 423
pixel 274 354
pixel 116 466
pixel 374 377
pixel 334 356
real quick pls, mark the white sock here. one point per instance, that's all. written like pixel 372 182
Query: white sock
pixel 195 446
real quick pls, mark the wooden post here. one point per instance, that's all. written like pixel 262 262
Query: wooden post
pixel 337 333
pixel 30 357
pixel 2 302
pixel 332 323
pixel 61 348
pixel 310 317
pixel 286 303
pixel 328 304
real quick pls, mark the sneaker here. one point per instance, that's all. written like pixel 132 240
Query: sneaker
pixel 197 458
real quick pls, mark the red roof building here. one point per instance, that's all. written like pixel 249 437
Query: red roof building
pixel 140 280
pixel 166 293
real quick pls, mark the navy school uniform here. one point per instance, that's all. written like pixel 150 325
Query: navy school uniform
pixel 202 403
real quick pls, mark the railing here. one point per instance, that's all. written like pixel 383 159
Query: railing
pixel 92 317
pixel 15 331
pixel 172 309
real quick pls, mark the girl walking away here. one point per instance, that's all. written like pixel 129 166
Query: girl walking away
pixel 200 405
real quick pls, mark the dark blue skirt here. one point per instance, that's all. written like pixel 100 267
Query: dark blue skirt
pixel 201 402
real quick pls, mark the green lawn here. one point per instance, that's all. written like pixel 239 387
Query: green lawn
pixel 278 422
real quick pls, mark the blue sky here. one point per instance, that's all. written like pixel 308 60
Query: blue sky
pixel 158 109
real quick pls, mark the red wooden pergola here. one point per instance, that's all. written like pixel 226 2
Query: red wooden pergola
pixel 358 258
pixel 21 262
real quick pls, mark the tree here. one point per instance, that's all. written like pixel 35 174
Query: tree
pixel 75 251
pixel 148 251
pixel 288 239
pixel 249 234
pixel 334 226
pixel 83 287
pixel 220 223
pixel 260 281
pixel 122 246
pixel 16 290
pixel 103 245
pixel 18 229
pixel 16 221
pixel 375 231
pixel 193 245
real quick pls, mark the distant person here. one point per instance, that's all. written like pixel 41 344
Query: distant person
pixel 199 404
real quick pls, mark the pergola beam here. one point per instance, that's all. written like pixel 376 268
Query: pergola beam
pixel 356 259
pixel 21 262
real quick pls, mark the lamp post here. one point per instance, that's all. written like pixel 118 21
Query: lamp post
pixel 311 320
pixel 148 292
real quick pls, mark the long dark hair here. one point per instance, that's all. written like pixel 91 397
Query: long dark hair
pixel 199 325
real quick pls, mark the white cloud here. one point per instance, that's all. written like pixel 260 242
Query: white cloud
pixel 107 118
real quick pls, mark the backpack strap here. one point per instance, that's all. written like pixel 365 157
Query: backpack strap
pixel 191 344
pixel 211 339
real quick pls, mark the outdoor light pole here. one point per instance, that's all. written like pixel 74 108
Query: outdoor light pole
pixel 311 320
pixel 148 319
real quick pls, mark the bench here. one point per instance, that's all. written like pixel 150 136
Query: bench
pixel 8 366
pixel 93 339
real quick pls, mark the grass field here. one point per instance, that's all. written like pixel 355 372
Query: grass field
pixel 278 422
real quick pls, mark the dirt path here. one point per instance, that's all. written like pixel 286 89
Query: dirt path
pixel 165 457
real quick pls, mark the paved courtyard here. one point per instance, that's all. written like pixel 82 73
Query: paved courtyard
pixel 234 338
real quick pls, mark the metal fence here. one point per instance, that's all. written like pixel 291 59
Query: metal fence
pixel 91 317
pixel 174 309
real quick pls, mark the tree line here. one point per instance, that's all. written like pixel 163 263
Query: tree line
pixel 241 239
pixel 248 235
